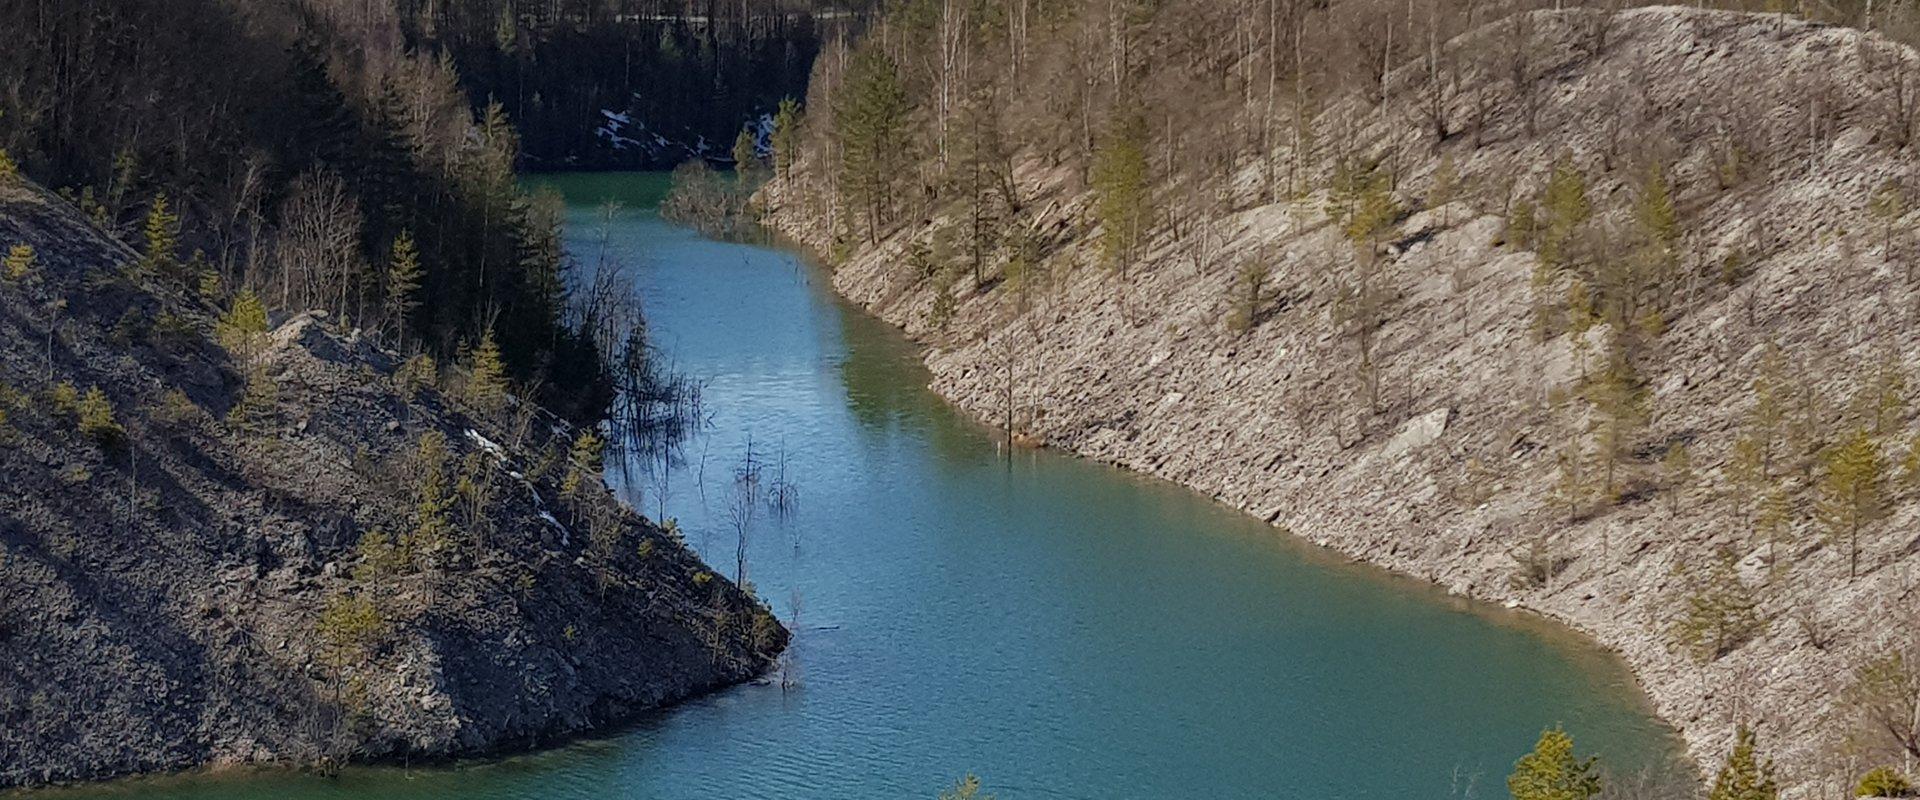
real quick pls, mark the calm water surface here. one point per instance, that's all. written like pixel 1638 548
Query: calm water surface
pixel 1063 629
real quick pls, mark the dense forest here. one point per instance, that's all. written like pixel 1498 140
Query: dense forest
pixel 361 157
pixel 643 85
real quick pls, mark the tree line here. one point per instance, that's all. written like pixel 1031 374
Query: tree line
pixel 314 160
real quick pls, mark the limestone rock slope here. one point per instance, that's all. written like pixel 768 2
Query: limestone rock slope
pixel 1776 136
pixel 196 590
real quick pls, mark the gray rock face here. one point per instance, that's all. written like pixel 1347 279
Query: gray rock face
pixel 1275 419
pixel 161 599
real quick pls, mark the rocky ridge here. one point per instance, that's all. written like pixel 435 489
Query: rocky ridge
pixel 1453 479
pixel 197 590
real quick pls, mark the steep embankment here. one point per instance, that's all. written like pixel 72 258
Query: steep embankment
pixel 1775 135
pixel 200 587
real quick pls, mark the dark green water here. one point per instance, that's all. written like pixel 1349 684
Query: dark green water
pixel 1063 629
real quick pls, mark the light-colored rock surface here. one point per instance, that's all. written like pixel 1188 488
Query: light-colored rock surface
pixel 1453 476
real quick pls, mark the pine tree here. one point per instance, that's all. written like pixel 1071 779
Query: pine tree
pixel 872 125
pixel 403 281
pixel 20 264
pixel 746 153
pixel 583 464
pixel 1883 403
pixel 786 138
pixel 978 170
pixel 1745 777
pixel 433 526
pixel 1654 210
pixel 96 419
pixel 1852 493
pixel 1620 405
pixel 486 376
pixel 1570 486
pixel 1120 182
pixel 1567 210
pixel 163 239
pixel 243 329
pixel 1552 772
pixel 1720 612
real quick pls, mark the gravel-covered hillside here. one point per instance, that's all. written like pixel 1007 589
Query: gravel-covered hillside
pixel 1433 395
pixel 351 566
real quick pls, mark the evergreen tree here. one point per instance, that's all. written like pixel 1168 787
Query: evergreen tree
pixel 978 168
pixel 1720 612
pixel 163 239
pixel 243 329
pixel 96 419
pixel 1744 776
pixel 1552 772
pixel 786 138
pixel 1120 182
pixel 584 464
pixel 1852 493
pixel 322 131
pixel 1619 402
pixel 1654 210
pixel 746 153
pixel 1567 210
pixel 403 281
pixel 486 376
pixel 433 525
pixel 20 264
pixel 871 122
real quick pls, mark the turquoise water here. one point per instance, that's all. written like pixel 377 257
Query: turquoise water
pixel 1063 629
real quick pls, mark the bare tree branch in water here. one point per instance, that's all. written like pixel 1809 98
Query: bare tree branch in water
pixel 783 495
pixel 741 505
pixel 655 407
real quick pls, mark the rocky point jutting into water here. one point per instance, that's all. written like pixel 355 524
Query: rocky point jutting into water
pixel 1588 311
pixel 291 547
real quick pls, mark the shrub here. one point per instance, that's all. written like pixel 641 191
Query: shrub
pixel 416 373
pixel 487 376
pixel 96 419
pixel 1883 782
pixel 1552 772
pixel 380 556
pixel 63 399
pixel 349 628
pixel 20 263
pixel 176 410
pixel 8 169
pixel 243 329
pixel 1720 612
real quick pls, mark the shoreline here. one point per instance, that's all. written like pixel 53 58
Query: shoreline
pixel 1534 620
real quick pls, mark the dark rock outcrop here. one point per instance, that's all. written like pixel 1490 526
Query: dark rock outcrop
pixel 162 592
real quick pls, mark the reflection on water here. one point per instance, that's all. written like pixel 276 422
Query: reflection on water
pixel 1064 629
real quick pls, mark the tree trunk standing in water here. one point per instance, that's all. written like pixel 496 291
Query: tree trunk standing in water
pixel 740 509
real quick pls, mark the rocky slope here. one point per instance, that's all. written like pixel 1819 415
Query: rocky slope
pixel 202 589
pixel 1776 135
